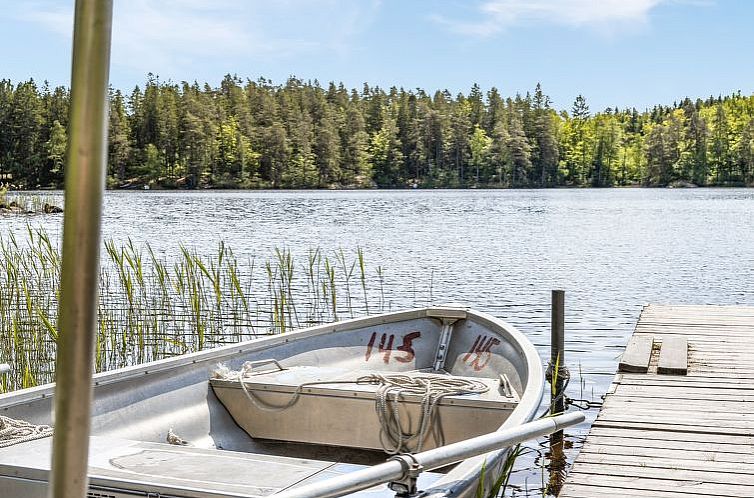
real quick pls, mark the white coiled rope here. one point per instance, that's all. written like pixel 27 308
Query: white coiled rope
pixel 14 431
pixel 431 389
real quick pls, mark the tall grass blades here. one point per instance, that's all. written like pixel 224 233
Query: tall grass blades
pixel 499 484
pixel 154 306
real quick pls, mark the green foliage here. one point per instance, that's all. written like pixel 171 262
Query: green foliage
pixel 387 155
pixel 480 145
pixel 55 149
pixel 254 134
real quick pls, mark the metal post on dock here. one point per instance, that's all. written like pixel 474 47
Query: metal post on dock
pixel 558 376
pixel 557 352
pixel 84 186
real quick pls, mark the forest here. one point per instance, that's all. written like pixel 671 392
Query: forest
pixel 256 134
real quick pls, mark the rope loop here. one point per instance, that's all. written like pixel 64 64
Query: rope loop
pixel 13 431
pixel 563 373
pixel 431 389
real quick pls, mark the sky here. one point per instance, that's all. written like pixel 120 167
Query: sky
pixel 624 53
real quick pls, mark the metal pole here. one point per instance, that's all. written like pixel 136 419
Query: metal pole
pixel 394 470
pixel 558 373
pixel 84 185
pixel 557 351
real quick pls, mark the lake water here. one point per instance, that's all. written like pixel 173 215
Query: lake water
pixel 498 251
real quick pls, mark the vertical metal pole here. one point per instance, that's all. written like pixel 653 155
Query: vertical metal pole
pixel 557 384
pixel 84 186
pixel 557 350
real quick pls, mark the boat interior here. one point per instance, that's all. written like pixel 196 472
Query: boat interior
pixel 256 418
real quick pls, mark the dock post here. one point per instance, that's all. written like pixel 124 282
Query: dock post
pixel 557 352
pixel 558 376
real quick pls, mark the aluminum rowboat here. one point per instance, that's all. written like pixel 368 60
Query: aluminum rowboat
pixel 138 409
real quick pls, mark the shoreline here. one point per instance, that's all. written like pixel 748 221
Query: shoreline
pixel 394 189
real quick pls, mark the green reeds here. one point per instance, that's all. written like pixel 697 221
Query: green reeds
pixel 500 483
pixel 154 306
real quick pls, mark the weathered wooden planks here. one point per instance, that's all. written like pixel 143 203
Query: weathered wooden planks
pixel 676 436
pixel 674 356
pixel 636 357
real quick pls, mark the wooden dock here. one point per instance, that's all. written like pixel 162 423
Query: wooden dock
pixel 677 436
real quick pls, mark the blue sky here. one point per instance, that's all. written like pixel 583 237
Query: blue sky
pixel 614 52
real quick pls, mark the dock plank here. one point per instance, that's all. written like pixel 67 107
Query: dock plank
pixel 628 486
pixel 636 357
pixel 681 474
pixel 674 356
pixel 676 436
pixel 700 452
pixel 589 491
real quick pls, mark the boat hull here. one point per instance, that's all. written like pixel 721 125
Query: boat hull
pixel 143 403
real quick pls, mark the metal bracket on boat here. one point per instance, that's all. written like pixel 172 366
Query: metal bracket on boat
pixel 442 344
pixel 405 487
pixel 250 366
pixel 505 386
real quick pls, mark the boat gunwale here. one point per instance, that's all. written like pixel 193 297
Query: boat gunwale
pixel 261 343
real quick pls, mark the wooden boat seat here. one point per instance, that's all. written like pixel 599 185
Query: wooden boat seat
pixel 126 468
pixel 325 405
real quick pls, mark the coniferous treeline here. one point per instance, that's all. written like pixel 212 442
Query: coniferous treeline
pixel 255 134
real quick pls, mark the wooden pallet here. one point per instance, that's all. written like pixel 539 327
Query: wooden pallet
pixel 677 436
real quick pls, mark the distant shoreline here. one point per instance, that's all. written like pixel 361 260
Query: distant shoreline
pixel 399 189
pixel 302 135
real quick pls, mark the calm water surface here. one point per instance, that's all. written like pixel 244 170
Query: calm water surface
pixel 498 251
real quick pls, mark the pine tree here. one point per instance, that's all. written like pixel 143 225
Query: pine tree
pixel 545 145
pixel 519 150
pixel 500 156
pixel 459 138
pixel 55 149
pixel 745 153
pixel 119 146
pixel 357 170
pixel 327 149
pixel 302 170
pixel 24 129
pixel 495 110
pixel 480 145
pixel 656 158
pixel 694 155
pixel 720 146
pixel 275 155
pixel 386 153
pixel 476 106
pixel 581 140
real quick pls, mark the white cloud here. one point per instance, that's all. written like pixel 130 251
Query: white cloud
pixel 57 19
pixel 163 36
pixel 599 15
